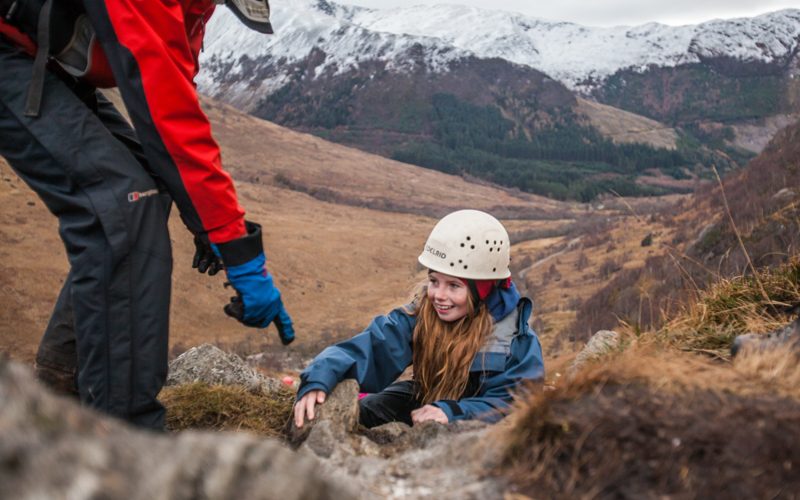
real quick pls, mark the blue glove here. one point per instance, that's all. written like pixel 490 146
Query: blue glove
pixel 257 302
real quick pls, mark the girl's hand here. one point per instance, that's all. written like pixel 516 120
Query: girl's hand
pixel 305 406
pixel 429 412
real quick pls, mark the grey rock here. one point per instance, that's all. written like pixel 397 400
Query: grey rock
pixel 602 343
pixel 784 194
pixel 211 365
pixel 324 439
pixel 788 336
pixel 336 418
pixel 50 447
pixel 701 236
pixel 387 433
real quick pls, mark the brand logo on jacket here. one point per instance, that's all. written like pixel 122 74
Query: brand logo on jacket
pixel 135 196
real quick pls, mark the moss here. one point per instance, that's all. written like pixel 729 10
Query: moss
pixel 230 408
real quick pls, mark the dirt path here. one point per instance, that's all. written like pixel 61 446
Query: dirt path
pixel 570 246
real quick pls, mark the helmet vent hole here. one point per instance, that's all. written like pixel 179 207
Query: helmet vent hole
pixel 465 266
pixel 491 249
pixel 495 242
pixel 472 247
pixel 468 238
pixel 460 261
pixel 487 242
pixel 452 264
pixel 462 245
pixel 494 269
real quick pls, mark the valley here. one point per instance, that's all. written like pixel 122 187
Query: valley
pixel 342 231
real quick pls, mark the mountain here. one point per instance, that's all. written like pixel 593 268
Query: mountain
pixel 581 57
pixel 498 100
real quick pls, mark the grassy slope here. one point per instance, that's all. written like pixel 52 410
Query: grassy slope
pixel 338 262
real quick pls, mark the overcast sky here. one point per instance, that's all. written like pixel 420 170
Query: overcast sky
pixel 612 12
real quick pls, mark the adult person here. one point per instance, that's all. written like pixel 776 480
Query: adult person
pixel 111 186
pixel 466 334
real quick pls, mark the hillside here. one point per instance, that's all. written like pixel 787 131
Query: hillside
pixel 692 245
pixel 332 216
pixel 499 103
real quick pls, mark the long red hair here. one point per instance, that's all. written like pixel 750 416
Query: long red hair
pixel 443 351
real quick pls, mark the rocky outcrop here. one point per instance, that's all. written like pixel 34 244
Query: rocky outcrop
pixel 398 461
pixel 52 448
pixel 787 337
pixel 211 365
pixel 602 343
pixel 334 423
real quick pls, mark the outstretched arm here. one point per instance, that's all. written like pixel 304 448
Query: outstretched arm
pixel 374 357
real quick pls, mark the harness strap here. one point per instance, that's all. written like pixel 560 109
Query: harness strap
pixel 34 102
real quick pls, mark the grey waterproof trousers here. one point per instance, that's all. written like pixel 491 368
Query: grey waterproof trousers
pixel 85 163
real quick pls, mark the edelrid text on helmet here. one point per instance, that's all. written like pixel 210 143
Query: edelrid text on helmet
pixel 468 244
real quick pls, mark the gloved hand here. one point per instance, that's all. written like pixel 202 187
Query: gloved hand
pixel 204 257
pixel 257 302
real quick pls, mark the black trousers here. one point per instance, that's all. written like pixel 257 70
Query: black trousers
pixel 396 402
pixel 393 404
pixel 110 322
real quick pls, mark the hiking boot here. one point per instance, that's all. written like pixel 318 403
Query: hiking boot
pixel 789 335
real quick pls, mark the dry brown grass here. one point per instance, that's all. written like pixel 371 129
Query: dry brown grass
pixel 778 369
pixel 736 306
pixel 625 127
pixel 651 423
pixel 226 408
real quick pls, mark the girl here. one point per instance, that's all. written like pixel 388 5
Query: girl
pixel 466 334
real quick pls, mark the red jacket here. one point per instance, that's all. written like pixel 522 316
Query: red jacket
pixel 152 48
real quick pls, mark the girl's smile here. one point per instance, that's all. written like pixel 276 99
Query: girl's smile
pixel 449 296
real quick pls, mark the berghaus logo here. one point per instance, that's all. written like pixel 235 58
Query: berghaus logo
pixel 135 196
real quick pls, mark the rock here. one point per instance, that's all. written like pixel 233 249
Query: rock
pixel 209 364
pixel 601 343
pixel 784 194
pixel 788 336
pixel 324 439
pixel 703 234
pixel 50 447
pixel 387 433
pixel 336 418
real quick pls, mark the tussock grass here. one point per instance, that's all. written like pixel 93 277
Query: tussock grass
pixel 736 306
pixel 778 368
pixel 653 422
pixel 228 408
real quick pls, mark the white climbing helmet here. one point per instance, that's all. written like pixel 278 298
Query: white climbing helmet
pixel 468 244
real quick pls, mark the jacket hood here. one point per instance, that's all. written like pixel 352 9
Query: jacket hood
pixel 502 301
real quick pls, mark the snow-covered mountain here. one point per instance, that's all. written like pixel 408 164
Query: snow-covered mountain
pixel 493 94
pixel 581 57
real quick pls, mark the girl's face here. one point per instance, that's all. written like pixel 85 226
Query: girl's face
pixel 449 296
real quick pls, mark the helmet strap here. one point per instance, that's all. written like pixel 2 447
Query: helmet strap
pixel 473 290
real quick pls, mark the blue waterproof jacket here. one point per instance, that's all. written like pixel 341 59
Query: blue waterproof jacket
pixel 379 354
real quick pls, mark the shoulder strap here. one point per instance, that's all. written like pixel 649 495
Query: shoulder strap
pixel 34 102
